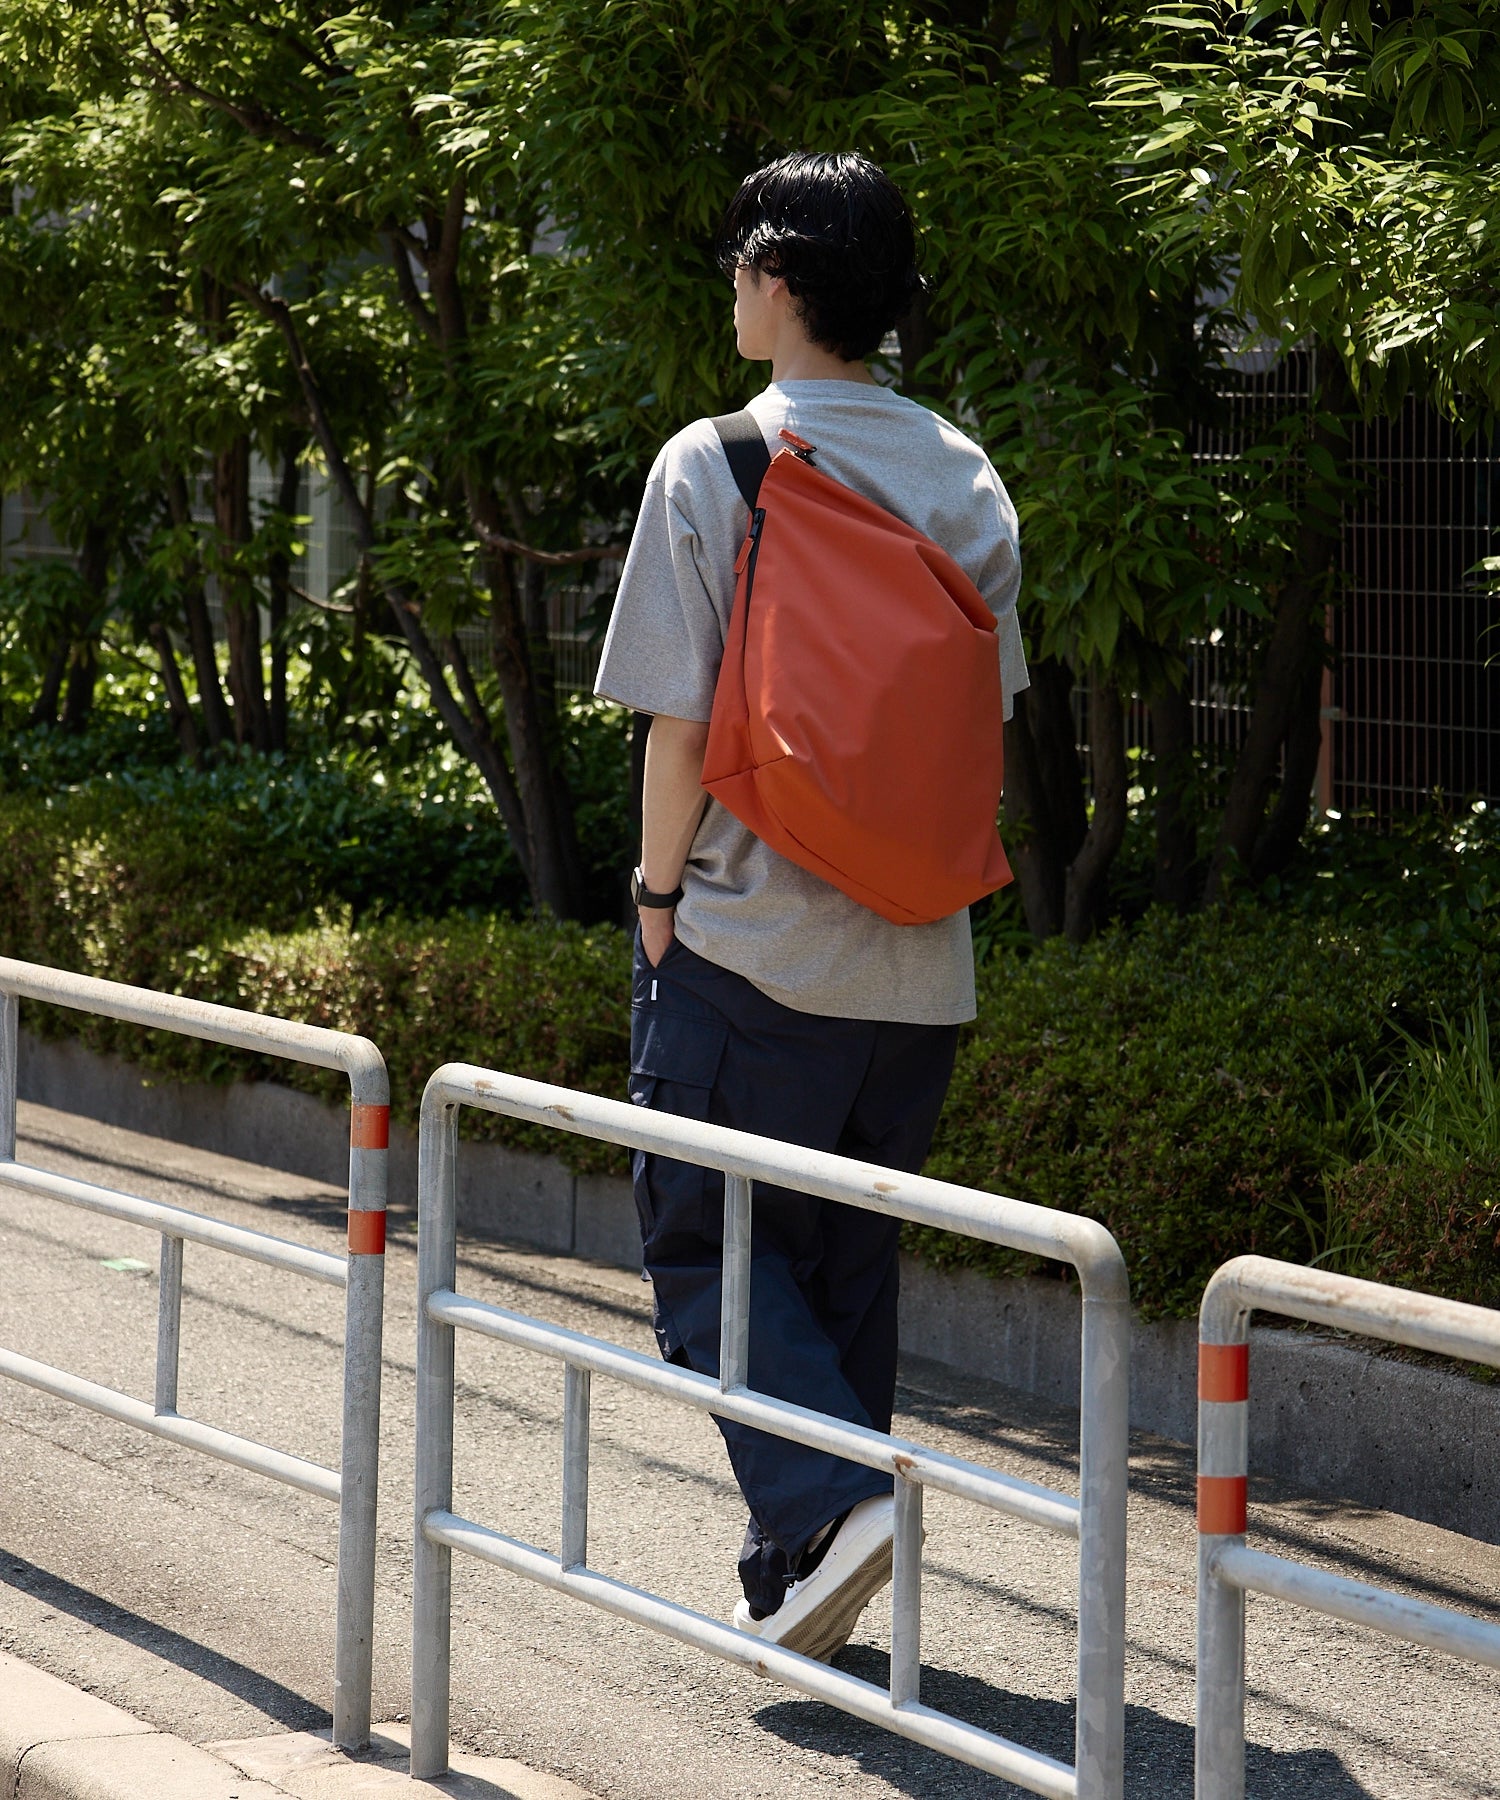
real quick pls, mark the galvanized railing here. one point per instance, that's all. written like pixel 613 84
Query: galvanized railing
pixel 361 1274
pixel 1227 1569
pixel 1096 1518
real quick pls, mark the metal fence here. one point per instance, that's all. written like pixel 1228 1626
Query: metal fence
pixel 1227 1569
pixel 361 1274
pixel 1414 687
pixel 1096 1518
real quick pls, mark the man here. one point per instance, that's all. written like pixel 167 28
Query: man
pixel 764 998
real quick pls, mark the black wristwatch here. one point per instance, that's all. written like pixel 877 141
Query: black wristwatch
pixel 641 895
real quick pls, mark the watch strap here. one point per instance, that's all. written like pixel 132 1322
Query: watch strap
pixel 641 895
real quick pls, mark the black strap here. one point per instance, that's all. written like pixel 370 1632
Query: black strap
pixel 746 451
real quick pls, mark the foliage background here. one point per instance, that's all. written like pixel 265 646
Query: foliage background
pixel 458 260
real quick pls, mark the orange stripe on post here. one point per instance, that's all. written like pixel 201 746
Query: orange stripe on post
pixel 369 1127
pixel 1221 1505
pixel 367 1234
pixel 1224 1372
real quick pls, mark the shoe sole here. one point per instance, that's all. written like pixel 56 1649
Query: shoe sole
pixel 826 1629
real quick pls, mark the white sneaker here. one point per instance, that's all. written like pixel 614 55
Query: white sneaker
pixel 745 1620
pixel 821 1611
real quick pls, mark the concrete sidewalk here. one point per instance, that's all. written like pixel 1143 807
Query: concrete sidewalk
pixel 59 1743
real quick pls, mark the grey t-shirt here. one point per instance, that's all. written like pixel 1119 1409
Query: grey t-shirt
pixel 744 906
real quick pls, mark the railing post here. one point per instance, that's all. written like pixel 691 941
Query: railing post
pixel 906 1595
pixel 363 1274
pixel 369 1138
pixel 1223 1467
pixel 432 1569
pixel 734 1306
pixel 574 1551
pixel 10 1009
pixel 1104 1468
pixel 168 1322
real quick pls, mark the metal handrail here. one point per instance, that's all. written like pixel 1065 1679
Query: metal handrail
pixel 361 1274
pixel 178 1222
pixel 1096 1519
pixel 1227 1568
pixel 855 1443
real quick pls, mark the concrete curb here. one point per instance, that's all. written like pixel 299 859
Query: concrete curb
pixel 1327 1416
pixel 59 1743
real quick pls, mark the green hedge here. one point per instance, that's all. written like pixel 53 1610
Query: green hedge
pixel 1190 1083
pixel 140 897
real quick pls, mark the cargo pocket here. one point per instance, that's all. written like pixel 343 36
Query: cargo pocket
pixel 674 1063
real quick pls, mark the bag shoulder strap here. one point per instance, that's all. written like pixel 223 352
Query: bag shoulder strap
pixel 746 452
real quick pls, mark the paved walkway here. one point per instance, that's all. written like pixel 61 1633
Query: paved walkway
pixel 200 1598
pixel 59 1742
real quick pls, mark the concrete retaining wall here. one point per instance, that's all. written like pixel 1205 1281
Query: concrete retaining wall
pixel 1327 1417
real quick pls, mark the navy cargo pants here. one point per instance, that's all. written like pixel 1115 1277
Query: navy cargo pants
pixel 707 1044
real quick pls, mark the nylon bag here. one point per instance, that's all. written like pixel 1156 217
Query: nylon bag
pixel 857 724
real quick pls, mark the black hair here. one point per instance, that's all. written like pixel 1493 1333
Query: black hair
pixel 834 226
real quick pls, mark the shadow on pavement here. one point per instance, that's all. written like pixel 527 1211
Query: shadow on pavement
pixel 279 1703
pixel 1158 1750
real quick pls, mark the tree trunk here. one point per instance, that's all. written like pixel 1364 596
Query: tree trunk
pixel 83 674
pixel 1062 769
pixel 278 574
pixel 917 333
pixel 83 653
pixel 177 700
pixel 556 877
pixel 530 800
pixel 472 736
pixel 1045 810
pixel 1278 843
pixel 1067 56
pixel 252 724
pixel 544 682
pixel 1285 674
pixel 1087 886
pixel 44 709
pixel 217 725
pixel 1172 767
pixel 1028 829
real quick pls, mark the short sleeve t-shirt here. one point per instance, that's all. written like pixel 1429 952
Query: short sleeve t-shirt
pixel 744 906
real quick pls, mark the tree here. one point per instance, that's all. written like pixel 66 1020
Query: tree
pixel 1347 169
pixel 460 258
pixel 348 186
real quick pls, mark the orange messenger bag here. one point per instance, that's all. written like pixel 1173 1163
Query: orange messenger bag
pixel 858 719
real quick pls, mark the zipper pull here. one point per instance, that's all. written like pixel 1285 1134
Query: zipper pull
pixel 801 449
pixel 757 519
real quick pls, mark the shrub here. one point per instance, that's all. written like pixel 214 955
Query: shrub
pixel 1416 1200
pixel 548 1001
pixel 1416 1225
pixel 299 834
pixel 402 825
pixel 207 907
pixel 1173 1082
pixel 1190 1083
